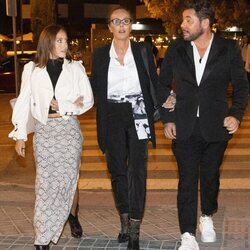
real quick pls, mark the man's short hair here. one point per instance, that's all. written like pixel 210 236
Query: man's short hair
pixel 202 8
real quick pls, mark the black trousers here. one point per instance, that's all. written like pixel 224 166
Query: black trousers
pixel 197 159
pixel 126 157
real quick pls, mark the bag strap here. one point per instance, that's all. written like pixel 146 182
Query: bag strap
pixel 152 88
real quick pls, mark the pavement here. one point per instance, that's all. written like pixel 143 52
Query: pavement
pixel 98 215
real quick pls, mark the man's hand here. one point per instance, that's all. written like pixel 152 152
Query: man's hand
pixel 231 124
pixel 170 130
pixel 20 148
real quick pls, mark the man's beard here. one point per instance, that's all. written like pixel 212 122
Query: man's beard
pixel 194 36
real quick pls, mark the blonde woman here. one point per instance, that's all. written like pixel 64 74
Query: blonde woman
pixel 125 120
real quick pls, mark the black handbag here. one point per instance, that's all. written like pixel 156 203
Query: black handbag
pixel 156 115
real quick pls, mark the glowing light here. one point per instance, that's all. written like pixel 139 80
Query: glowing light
pixel 233 29
pixel 159 39
pixel 137 26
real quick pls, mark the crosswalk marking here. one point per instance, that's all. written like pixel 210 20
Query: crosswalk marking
pixel 162 168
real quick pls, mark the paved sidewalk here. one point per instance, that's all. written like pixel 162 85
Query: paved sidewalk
pixel 100 221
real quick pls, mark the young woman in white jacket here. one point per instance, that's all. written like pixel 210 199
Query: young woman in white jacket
pixel 54 90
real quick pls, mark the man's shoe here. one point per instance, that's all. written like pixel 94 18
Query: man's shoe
pixel 188 242
pixel 206 227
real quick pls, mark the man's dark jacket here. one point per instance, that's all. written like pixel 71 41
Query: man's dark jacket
pixel 224 66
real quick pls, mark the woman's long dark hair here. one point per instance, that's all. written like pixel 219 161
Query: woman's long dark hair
pixel 46 45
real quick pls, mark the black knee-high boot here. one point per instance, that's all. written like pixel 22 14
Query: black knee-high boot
pixel 75 226
pixel 123 235
pixel 134 234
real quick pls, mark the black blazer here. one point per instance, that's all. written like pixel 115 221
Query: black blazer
pixel 224 65
pixel 99 78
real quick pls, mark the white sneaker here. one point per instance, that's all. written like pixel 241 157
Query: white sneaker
pixel 188 242
pixel 206 227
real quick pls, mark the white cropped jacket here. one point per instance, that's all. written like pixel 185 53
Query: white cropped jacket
pixel 37 92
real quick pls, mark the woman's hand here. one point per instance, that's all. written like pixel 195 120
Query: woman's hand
pixel 20 147
pixel 54 105
pixel 170 102
pixel 79 102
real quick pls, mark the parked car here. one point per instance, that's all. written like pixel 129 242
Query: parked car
pixel 7 72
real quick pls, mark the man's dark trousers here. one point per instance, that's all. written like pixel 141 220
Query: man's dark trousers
pixel 197 158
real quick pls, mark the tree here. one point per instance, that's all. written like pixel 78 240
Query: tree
pixel 227 13
pixel 233 13
pixel 43 13
pixel 169 11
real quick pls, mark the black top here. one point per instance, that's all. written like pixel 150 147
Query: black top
pixel 54 68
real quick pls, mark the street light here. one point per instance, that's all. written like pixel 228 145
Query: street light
pixel 11 10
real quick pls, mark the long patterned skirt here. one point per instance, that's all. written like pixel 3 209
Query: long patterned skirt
pixel 57 150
